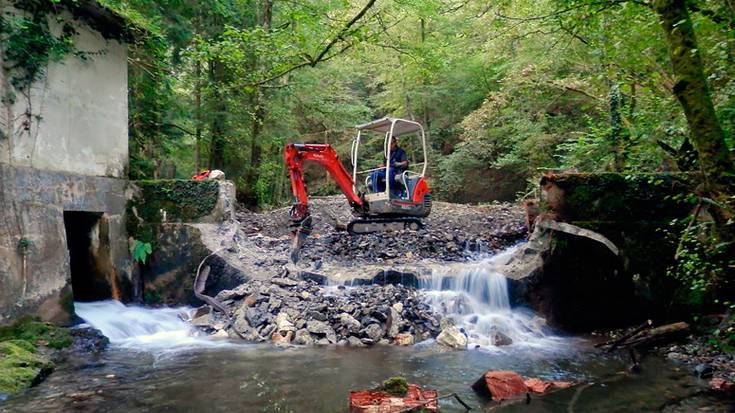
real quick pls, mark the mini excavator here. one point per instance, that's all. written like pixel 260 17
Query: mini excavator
pixel 401 203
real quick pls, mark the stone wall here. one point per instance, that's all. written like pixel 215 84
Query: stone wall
pixel 34 259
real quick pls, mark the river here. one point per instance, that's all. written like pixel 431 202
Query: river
pixel 156 363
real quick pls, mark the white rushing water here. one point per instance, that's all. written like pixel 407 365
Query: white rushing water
pixel 142 328
pixel 476 296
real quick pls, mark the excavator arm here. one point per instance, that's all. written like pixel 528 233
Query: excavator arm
pixel 324 155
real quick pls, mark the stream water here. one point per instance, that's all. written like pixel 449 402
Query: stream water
pixel 155 363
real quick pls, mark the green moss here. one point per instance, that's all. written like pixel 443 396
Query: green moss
pixel 396 386
pixel 21 364
pixel 36 332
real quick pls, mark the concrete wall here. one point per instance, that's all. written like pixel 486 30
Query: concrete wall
pixel 83 110
pixel 64 147
pixel 37 279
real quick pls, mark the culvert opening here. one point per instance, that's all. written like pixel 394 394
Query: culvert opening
pixel 87 238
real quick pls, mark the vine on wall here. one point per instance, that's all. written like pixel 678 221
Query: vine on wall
pixel 28 44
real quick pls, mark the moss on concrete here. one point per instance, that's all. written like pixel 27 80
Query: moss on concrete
pixel 182 200
pixel 179 200
pixel 22 364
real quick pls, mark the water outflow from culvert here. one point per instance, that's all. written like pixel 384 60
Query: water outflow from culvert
pixel 140 327
pixel 476 296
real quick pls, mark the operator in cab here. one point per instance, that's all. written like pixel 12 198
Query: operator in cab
pixel 397 164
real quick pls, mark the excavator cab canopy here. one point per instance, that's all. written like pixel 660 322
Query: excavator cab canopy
pixel 390 128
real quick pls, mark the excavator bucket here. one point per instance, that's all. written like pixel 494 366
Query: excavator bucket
pixel 299 234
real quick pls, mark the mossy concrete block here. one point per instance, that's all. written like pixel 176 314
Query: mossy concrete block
pixel 169 274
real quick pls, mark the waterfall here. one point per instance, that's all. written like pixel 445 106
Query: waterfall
pixel 476 296
pixel 141 328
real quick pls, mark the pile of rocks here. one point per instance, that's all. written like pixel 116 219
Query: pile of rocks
pixel 293 311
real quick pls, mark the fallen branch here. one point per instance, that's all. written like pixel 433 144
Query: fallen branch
pixel 615 343
pixel 657 335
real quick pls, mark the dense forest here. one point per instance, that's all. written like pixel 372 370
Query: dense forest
pixel 506 89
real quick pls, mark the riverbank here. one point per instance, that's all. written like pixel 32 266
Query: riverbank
pixel 697 352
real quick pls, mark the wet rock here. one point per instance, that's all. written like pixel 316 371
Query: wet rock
pixel 283 323
pixel 317 315
pixel 304 338
pixel 321 328
pixel 703 370
pixel 501 339
pixel 374 332
pixel 284 282
pixel 280 338
pixel 355 342
pixel 88 340
pixel 452 337
pixel 250 300
pixel 350 323
pixel 255 317
pixel 202 321
pixel 404 339
pixel 394 322
pixel 220 334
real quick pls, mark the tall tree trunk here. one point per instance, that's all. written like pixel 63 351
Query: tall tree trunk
pixel 198 108
pixel 692 91
pixel 616 128
pixel 705 132
pixel 218 122
pixel 259 113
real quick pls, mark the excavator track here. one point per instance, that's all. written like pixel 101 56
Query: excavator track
pixel 371 225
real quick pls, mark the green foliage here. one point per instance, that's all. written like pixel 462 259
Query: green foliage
pixel 29 43
pixel 140 250
pixel 20 365
pixel 702 263
pixel 23 245
pixel 723 336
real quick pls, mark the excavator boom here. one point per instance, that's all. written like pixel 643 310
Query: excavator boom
pixel 324 155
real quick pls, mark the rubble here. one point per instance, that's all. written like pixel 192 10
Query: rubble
pixel 453 232
pixel 286 310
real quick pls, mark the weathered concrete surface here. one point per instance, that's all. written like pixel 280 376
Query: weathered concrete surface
pixel 34 260
pixel 78 112
pixel 577 283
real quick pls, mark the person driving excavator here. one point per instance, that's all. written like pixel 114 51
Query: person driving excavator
pixel 397 163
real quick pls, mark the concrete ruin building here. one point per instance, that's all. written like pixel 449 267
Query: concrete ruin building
pixel 63 160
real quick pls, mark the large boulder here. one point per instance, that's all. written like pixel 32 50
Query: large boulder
pixel 452 337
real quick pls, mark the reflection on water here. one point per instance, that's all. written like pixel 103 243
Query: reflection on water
pixel 266 379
